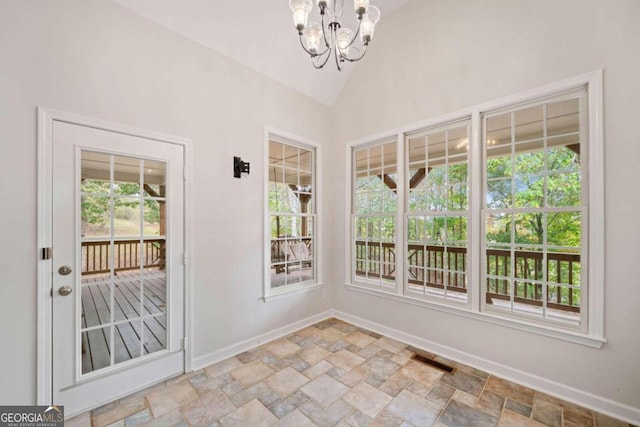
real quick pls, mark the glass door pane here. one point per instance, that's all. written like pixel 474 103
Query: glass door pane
pixel 123 249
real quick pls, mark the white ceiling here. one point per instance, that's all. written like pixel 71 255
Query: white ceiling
pixel 258 34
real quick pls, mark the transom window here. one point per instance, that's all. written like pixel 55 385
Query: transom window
pixel 291 215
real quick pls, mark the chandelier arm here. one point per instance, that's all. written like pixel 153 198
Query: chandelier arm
pixel 355 36
pixel 359 57
pixel 338 61
pixel 324 32
pixel 316 66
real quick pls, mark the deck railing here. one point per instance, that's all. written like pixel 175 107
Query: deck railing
pixel 376 259
pixel 96 255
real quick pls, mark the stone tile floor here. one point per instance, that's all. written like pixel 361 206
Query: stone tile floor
pixel 334 373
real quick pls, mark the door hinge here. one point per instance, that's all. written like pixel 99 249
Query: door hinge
pixel 47 253
pixel 184 344
pixel 184 259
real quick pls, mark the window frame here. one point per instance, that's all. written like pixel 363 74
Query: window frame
pixel 581 94
pixel 385 287
pixel 592 334
pixel 270 293
pixel 445 213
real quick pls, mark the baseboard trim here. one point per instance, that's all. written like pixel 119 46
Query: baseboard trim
pixel 600 404
pixel 242 346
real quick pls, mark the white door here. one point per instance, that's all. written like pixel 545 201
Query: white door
pixel 118 269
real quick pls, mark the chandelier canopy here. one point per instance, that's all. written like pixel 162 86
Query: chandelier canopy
pixel 321 40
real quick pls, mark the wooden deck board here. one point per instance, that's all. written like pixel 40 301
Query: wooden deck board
pixel 96 309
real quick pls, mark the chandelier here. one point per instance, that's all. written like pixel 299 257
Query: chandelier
pixel 322 39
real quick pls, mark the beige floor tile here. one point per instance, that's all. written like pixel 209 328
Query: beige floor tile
pixel 182 377
pixel 402 357
pixel 345 359
pixel 606 421
pixel 354 376
pixel 386 419
pixel 464 397
pixel 422 373
pixel 223 367
pixel 170 398
pixel 318 369
pixel 414 409
pixel 286 381
pixel 307 332
pixel 390 345
pixel 325 389
pixel 208 408
pixel 512 419
pixel 359 339
pixel 314 354
pixel 283 348
pixel 252 414
pixel 331 335
pixel 171 419
pixel 368 400
pixel 296 419
pixel 329 415
pixel 511 390
pixel 547 413
pixel 118 412
pixel 251 373
pixel 81 420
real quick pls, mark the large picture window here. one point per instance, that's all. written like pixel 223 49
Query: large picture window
pixel 291 215
pixel 534 216
pixel 493 212
pixel 437 212
pixel 374 213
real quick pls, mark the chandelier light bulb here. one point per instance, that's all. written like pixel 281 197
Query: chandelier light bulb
pixel 300 9
pixel 373 14
pixel 313 35
pixel 344 37
pixel 368 24
pixel 367 28
pixel 360 6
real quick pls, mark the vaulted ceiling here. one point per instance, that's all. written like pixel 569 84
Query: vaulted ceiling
pixel 258 34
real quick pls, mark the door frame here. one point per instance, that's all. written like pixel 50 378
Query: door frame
pixel 44 230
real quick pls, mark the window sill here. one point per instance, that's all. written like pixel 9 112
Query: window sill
pixel 547 331
pixel 291 291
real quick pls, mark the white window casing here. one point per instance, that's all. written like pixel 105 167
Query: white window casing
pixel 291 238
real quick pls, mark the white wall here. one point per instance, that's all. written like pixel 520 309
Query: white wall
pixel 438 56
pixel 98 59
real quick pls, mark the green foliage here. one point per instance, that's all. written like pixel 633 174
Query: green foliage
pixel 95 207
pixel 523 186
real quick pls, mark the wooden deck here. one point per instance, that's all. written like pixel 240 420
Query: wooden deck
pixel 133 335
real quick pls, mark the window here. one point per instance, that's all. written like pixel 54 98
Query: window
pixel 534 218
pixel 486 212
pixel 374 213
pixel 291 216
pixel 438 212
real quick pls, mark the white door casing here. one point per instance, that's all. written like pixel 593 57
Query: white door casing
pixel 62 377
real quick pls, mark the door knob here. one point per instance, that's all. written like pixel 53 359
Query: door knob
pixel 64 270
pixel 64 290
